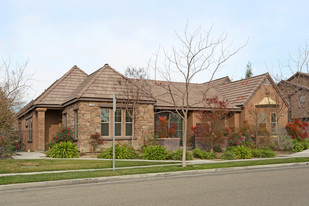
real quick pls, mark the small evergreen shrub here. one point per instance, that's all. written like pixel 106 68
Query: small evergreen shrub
pixel 242 152
pixel 263 153
pixel 305 144
pixel 155 152
pixel 228 155
pixel 177 155
pixel 297 146
pixel 121 152
pixel 64 150
pixel 198 153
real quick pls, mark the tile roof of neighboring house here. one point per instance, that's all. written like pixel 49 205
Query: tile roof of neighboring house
pixel 293 85
pixel 298 74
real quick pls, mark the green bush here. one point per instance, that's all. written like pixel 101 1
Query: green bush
pixel 65 134
pixel 198 153
pixel 121 152
pixel 242 152
pixel 263 153
pixel 285 140
pixel 228 155
pixel 177 155
pixel 306 144
pixel 64 150
pixel 297 146
pixel 155 152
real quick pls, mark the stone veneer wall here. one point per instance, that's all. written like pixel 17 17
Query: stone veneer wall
pixel 89 119
pixel 144 125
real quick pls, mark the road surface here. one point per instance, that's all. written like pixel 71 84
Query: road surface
pixel 276 186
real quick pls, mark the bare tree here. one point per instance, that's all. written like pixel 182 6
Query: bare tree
pixel 132 90
pixel 199 52
pixel 13 83
pixel 296 66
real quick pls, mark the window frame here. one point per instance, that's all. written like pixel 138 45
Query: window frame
pixel 273 122
pixel 264 121
pixel 118 122
pixel 126 114
pixel 76 124
pixel 107 122
pixel 29 125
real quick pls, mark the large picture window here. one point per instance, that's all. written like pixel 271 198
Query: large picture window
pixel 105 117
pixel 168 125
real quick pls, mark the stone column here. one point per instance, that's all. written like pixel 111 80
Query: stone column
pixel 41 128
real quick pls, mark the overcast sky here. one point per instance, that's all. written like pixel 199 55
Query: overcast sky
pixel 55 35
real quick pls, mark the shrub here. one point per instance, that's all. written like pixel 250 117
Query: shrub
pixel 155 152
pixel 121 152
pixel 177 155
pixel 64 134
pixel 198 153
pixel 263 153
pixel 242 152
pixel 285 140
pixel 228 155
pixel 305 144
pixel 95 141
pixel 64 150
pixel 297 129
pixel 210 155
pixel 8 145
pixel 297 146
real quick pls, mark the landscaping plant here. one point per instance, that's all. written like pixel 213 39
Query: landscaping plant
pixel 64 150
pixel 177 155
pixel 155 152
pixel 124 151
pixel 64 134
pixel 95 141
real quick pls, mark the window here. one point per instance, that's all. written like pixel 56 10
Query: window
pixel 128 123
pixel 29 125
pixel 105 117
pixel 302 100
pixel 118 122
pixel 76 124
pixel 168 125
pixel 65 121
pixel 262 119
pixel 273 123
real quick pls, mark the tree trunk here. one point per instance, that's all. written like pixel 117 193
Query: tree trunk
pixel 184 140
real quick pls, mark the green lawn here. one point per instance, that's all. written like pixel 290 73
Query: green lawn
pixel 105 173
pixel 17 166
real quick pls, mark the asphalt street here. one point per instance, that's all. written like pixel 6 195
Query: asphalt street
pixel 272 186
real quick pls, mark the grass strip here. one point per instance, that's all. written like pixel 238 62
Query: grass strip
pixel 40 165
pixel 77 175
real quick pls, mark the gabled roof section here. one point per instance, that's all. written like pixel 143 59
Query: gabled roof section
pixel 238 93
pixel 62 87
pixel 298 74
pixel 293 85
pixel 101 84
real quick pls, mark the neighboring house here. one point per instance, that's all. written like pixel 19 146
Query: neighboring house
pixel 84 103
pixel 296 91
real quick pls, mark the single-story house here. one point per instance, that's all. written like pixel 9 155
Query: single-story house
pixel 84 103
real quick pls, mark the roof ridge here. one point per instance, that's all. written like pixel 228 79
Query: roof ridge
pixel 56 83
pixel 265 74
pixel 98 72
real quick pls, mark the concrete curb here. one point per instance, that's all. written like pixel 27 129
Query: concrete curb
pixel 33 185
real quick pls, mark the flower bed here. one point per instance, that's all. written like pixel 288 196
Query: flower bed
pixel 170 143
